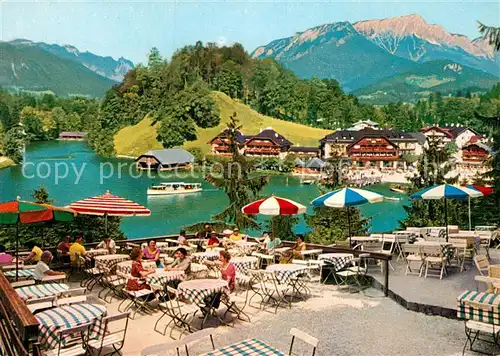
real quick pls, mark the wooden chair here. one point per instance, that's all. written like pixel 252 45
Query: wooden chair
pixel 482 264
pixel 412 254
pixel 73 347
pixel 296 333
pixel 434 257
pixel 459 254
pixel 40 304
pixel 114 338
pixel 474 329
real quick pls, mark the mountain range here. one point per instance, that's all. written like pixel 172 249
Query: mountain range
pixel 365 53
pixel 37 66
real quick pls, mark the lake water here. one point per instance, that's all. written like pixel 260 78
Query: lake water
pixel 47 161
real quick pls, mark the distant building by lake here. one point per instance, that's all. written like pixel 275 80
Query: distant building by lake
pixel 165 159
pixel 72 136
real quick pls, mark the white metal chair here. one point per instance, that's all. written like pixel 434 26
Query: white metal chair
pixel 52 279
pixel 162 349
pixel 296 333
pixel 270 290
pixel 75 346
pixel 434 257
pixel 114 338
pixel 25 283
pixel 412 254
pixel 136 299
pixel 39 304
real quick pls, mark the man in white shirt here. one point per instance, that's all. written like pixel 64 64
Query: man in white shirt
pixel 109 244
pixel 42 268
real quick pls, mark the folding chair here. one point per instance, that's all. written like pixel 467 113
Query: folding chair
pixel 181 313
pixel 355 273
pixel 72 296
pixel 162 349
pixel 296 333
pixel 411 254
pixel 434 257
pixel 112 284
pixel 36 305
pixel 25 283
pixel 73 346
pixel 473 329
pixel 236 305
pixel 114 338
pixel 271 291
pixel 137 299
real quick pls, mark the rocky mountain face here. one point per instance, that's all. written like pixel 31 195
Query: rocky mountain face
pixel 107 67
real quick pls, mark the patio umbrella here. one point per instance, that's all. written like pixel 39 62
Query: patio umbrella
pixel 23 212
pixel 274 206
pixel 484 191
pixel 345 198
pixel 109 205
pixel 446 191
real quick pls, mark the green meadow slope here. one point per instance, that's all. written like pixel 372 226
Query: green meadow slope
pixel 137 139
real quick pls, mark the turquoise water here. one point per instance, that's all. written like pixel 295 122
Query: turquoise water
pixel 60 164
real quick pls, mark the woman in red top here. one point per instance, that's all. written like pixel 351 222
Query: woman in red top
pixel 138 272
pixel 227 270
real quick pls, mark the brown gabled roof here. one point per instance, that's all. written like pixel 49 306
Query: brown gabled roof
pixel 440 129
pixel 362 138
pixel 240 138
pixel 274 136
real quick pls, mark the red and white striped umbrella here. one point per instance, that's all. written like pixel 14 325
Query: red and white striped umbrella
pixel 274 206
pixel 109 204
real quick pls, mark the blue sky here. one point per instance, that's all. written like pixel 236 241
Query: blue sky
pixel 131 28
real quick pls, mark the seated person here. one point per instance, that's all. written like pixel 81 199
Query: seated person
pixel 35 254
pixel 295 252
pixel 182 262
pixel 109 244
pixel 213 241
pixel 205 233
pixel 152 253
pixel 272 243
pixel 228 271
pixel 226 238
pixel 138 272
pixel 77 249
pixel 42 267
pixel 182 240
pixel 64 246
pixel 5 258
pixel 236 235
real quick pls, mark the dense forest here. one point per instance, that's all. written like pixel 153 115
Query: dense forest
pixel 176 94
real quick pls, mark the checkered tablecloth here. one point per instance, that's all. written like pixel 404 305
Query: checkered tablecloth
pixel 66 317
pixel 198 289
pixel 250 347
pixel 107 261
pixel 465 312
pixel 98 252
pixel 126 266
pixel 243 264
pixel 162 277
pixel 41 290
pixel 285 272
pixel 23 273
pixel 199 257
pixel 338 260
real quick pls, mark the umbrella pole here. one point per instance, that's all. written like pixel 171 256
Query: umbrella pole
pixel 106 224
pixel 446 217
pixel 470 220
pixel 349 225
pixel 17 251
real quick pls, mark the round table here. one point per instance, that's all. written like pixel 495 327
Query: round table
pixel 162 277
pixel 244 263
pixel 197 290
pixel 285 272
pixel 199 257
pixel 107 261
pixel 338 260
pixel 66 317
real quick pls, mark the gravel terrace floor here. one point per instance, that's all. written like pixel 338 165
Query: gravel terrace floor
pixel 346 324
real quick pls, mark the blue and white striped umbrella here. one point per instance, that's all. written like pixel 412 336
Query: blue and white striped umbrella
pixel 447 191
pixel 346 197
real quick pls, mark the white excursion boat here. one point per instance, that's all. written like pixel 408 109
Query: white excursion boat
pixel 172 188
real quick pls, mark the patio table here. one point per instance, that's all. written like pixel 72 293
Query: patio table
pixel 338 260
pixel 41 290
pixel 286 272
pixel 66 317
pixel 97 252
pixel 250 347
pixel 243 264
pixel 162 277
pixel 199 257
pixel 464 312
pixel 107 261
pixel 23 273
pixel 198 289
